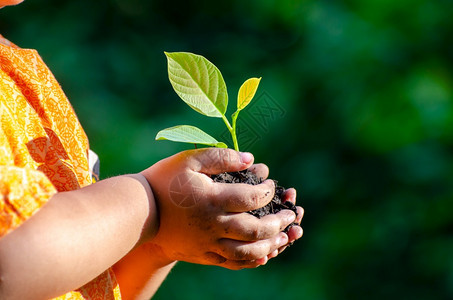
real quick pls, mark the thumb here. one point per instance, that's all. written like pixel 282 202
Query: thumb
pixel 218 160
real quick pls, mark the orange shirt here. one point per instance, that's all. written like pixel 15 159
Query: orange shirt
pixel 43 149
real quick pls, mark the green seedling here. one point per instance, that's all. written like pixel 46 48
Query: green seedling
pixel 200 84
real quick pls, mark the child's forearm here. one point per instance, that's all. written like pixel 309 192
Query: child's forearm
pixel 76 236
pixel 142 271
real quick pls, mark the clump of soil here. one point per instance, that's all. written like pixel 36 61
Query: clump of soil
pixel 249 177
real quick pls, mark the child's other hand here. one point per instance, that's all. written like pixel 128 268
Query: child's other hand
pixel 205 222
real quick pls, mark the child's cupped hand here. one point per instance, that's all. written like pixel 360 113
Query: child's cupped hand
pixel 205 222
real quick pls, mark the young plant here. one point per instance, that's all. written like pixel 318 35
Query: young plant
pixel 200 84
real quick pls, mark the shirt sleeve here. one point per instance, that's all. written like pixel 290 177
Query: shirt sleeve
pixel 22 192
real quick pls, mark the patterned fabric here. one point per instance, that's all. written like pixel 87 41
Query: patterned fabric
pixel 43 149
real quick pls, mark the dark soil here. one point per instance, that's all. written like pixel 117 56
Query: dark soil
pixel 248 177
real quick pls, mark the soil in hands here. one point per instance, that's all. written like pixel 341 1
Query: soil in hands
pixel 249 177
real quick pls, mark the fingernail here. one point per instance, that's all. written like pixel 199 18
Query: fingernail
pixel 246 157
pixel 300 233
pixel 262 261
pixel 283 241
pixel 274 254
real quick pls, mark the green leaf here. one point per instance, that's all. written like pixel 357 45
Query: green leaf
pixel 188 134
pixel 198 82
pixel 247 92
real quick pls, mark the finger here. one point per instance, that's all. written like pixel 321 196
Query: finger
pixel 217 160
pixel 218 260
pixel 242 197
pixel 289 195
pixel 273 254
pixel 294 233
pixel 260 170
pixel 245 227
pixel 234 264
pixel 264 260
pixel 239 250
pixel 300 214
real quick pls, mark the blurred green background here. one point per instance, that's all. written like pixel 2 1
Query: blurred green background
pixel 354 110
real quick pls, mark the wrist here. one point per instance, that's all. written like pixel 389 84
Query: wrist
pixel 151 225
pixel 160 259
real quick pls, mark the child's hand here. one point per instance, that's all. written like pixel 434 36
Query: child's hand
pixel 205 222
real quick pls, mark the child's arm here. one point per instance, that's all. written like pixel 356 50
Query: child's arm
pixel 79 234
pixel 75 237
